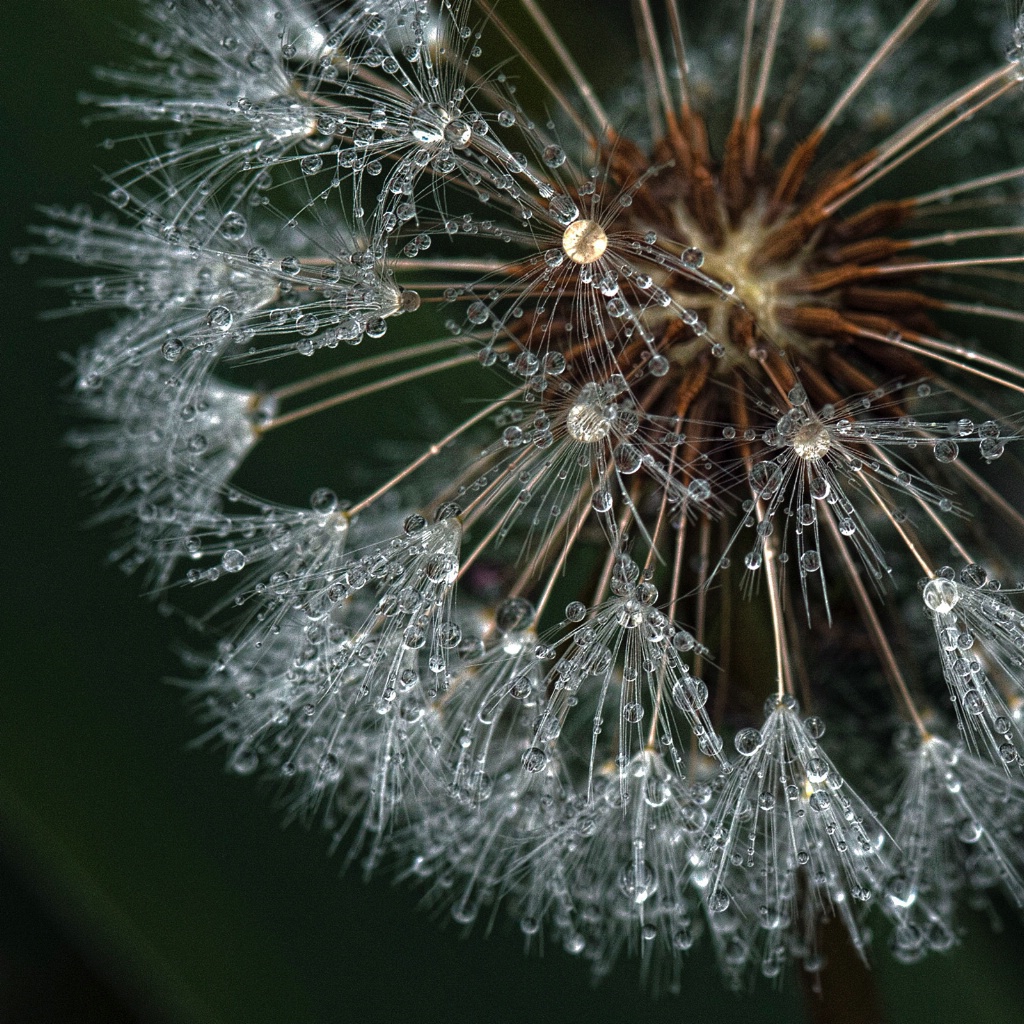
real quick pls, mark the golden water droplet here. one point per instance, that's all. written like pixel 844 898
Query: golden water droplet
pixel 812 441
pixel 584 241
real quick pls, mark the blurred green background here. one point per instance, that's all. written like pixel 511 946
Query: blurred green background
pixel 139 882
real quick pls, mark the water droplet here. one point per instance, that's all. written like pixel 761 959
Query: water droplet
pixel 970 831
pixel 323 500
pixel 414 524
pixel 535 760
pixel 748 742
pixel 220 318
pixel 814 726
pixel 765 479
pixel 514 613
pixel 632 712
pixel 718 902
pixel 693 258
pixel 233 226
pixel 584 241
pixel 458 133
pixel 628 458
pixel 232 560
pixel 601 500
pixel 820 801
pixel 172 349
pixel 638 882
pixel 575 611
pixel 554 156
pixel 311 164
pixel 941 595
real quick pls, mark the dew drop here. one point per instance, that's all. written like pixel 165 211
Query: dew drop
pixel 535 760
pixel 554 156
pixel 172 349
pixel 748 742
pixel 220 318
pixel 810 561
pixel 232 560
pixel 941 595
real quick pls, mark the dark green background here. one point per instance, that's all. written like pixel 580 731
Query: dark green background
pixel 138 882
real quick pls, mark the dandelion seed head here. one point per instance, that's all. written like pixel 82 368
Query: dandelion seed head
pixel 621 425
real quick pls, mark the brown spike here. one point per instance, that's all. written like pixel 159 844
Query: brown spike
pixel 867 250
pixel 675 147
pixel 696 132
pixel 814 321
pixel 734 184
pixel 884 300
pixel 702 202
pixel 825 280
pixel 874 219
pixel 840 181
pixel 873 322
pixel 779 370
pixel 752 150
pixel 844 370
pixel 816 384
pixel 858 381
pixel 742 330
pixel 895 360
pixel 624 158
pixel 794 174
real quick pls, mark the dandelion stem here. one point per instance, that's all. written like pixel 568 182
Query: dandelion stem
pixel 368 389
pixel 887 160
pixel 657 64
pixel 885 505
pixel 934 349
pixel 783 681
pixel 601 119
pixel 954 543
pixel 557 568
pixel 913 18
pixel 537 68
pixel 951 237
pixel 361 366
pixel 679 46
pixel 990 495
pixel 943 195
pixel 703 570
pixel 743 74
pixel 613 553
pixel 981 309
pixel 885 653
pixel 434 450
pixel 768 58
